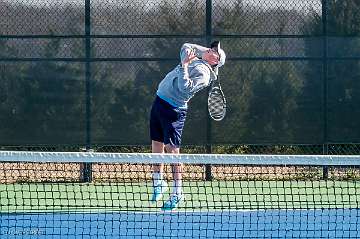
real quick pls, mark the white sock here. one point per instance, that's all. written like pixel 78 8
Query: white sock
pixel 158 178
pixel 177 187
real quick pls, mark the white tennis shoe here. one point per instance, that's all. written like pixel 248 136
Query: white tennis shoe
pixel 173 202
pixel 159 191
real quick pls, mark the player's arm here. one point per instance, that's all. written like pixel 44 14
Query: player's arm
pixel 189 47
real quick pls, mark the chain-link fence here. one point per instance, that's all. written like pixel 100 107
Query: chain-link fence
pixel 82 74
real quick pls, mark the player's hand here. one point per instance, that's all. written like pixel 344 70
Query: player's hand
pixel 189 58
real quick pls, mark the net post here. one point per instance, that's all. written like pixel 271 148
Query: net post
pixel 86 172
pixel 325 168
pixel 208 171
pixel 86 168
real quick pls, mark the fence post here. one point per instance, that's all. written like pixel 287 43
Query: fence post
pixel 325 84
pixel 86 168
pixel 208 36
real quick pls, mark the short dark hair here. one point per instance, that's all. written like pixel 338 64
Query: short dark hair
pixel 214 44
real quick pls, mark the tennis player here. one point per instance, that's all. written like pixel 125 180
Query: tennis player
pixel 198 68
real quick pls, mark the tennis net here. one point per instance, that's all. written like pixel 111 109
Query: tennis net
pixel 42 195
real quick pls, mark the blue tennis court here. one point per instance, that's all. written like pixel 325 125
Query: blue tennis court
pixel 329 223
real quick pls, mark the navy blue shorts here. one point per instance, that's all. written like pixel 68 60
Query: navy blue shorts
pixel 166 122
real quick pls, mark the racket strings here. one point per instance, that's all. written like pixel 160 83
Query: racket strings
pixel 216 104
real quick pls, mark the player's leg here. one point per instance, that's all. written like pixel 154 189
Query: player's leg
pixel 177 195
pixel 160 185
pixel 177 170
pixel 157 146
pixel 172 122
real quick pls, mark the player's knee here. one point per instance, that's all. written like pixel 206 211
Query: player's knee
pixel 171 149
pixel 157 147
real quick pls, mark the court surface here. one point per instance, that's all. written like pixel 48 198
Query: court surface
pixel 329 223
pixel 42 199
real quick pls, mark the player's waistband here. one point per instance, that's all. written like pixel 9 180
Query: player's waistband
pixel 169 103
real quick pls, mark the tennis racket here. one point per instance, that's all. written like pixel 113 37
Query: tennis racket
pixel 216 101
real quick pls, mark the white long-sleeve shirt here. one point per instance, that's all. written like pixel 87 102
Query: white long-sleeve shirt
pixel 180 85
